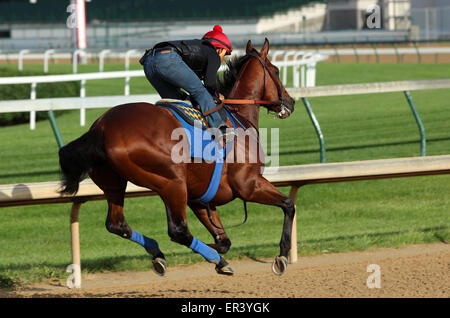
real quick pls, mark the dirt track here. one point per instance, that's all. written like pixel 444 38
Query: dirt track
pixel 413 271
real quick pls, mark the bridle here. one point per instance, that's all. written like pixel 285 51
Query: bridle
pixel 277 83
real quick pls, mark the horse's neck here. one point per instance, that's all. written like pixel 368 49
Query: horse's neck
pixel 249 112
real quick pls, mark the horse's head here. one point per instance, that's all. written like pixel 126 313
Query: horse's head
pixel 273 90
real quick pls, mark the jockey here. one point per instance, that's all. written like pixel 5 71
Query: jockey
pixel 174 65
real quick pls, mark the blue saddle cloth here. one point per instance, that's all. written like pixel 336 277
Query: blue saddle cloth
pixel 201 142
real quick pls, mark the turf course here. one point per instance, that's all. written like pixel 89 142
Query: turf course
pixel 35 240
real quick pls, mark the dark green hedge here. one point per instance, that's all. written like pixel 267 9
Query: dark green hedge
pixel 23 91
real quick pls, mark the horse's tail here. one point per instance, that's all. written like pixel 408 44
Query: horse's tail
pixel 78 157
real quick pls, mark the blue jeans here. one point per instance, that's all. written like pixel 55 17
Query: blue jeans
pixel 167 72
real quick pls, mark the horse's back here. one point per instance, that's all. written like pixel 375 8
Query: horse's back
pixel 137 128
pixel 137 115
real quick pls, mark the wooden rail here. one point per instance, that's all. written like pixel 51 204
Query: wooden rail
pixel 293 176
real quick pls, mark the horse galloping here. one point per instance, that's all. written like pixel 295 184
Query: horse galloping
pixel 122 146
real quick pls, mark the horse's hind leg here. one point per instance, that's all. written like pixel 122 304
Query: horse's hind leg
pixel 176 202
pixel 222 242
pixel 114 188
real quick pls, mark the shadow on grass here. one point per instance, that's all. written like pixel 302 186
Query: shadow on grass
pixel 29 174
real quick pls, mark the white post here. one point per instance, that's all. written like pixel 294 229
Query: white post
pixel 101 57
pixel 307 59
pixel 21 54
pixel 302 75
pixel 295 79
pixel 127 59
pixel 311 74
pixel 293 253
pixel 82 109
pixel 75 243
pixel 127 86
pixel 75 59
pixel 275 55
pixel 47 54
pixel 33 112
pixel 286 57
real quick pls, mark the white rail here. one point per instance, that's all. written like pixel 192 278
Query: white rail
pixel 369 88
pixel 304 66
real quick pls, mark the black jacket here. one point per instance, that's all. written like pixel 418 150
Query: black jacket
pixel 201 57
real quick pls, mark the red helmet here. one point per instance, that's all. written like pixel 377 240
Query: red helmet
pixel 218 39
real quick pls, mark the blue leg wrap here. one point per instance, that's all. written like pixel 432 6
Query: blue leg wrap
pixel 149 244
pixel 204 250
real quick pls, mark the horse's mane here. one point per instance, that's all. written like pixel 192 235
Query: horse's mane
pixel 226 82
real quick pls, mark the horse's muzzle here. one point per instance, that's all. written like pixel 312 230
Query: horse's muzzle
pixel 287 108
pixel 285 112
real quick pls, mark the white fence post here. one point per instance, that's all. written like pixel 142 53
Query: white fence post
pixel 33 112
pixel 21 54
pixel 75 59
pixel 101 57
pixel 295 70
pixel 311 74
pixel 275 54
pixel 47 54
pixel 127 86
pixel 127 59
pixel 286 57
pixel 83 109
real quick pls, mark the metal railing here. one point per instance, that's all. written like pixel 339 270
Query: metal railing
pixel 367 88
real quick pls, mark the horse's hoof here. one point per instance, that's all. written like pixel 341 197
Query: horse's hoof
pixel 227 270
pixel 223 268
pixel 279 265
pixel 159 266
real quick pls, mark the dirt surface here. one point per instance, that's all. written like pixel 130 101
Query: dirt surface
pixel 412 271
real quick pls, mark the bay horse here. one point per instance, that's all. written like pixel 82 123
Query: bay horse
pixel 122 145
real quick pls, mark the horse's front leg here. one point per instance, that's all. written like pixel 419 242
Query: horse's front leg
pixel 222 242
pixel 262 191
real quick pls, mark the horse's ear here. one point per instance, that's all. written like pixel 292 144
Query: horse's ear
pixel 265 49
pixel 249 47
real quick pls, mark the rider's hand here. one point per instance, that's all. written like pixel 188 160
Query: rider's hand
pixel 221 97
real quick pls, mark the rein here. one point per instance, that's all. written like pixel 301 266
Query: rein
pixel 251 102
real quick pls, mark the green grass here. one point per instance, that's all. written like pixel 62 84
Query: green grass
pixel 35 240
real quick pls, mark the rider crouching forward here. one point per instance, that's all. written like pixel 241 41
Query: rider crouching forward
pixel 174 65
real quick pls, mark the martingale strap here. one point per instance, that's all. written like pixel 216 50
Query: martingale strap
pixel 213 185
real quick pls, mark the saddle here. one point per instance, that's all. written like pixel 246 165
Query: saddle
pixel 190 113
pixel 201 141
pixel 185 110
